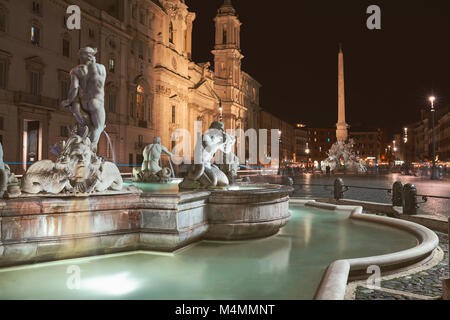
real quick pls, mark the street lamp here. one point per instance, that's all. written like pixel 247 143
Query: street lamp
pixel 395 152
pixel 279 153
pixel 433 111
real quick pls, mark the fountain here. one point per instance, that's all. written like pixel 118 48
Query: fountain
pixel 342 158
pixel 80 206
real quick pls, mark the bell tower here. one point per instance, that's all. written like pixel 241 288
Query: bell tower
pixel 227 65
pixel 227 49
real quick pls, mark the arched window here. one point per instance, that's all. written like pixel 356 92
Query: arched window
pixel 140 103
pixel 171 32
pixel 224 35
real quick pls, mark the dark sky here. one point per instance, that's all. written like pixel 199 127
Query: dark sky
pixel 291 48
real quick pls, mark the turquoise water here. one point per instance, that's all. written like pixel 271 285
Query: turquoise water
pixel 147 187
pixel 286 266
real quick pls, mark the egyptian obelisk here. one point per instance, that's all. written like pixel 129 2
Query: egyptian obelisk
pixel 341 131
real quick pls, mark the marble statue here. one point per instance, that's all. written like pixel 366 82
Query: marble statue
pixel 77 170
pixel 341 157
pixel 6 176
pixel 3 174
pixel 207 174
pixel 150 170
pixel 86 95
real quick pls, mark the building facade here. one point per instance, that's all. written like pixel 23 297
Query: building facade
pixel 417 138
pixel 153 87
pixel 270 122
pixel 369 143
pixel 320 141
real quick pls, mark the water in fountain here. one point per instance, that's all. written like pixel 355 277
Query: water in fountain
pixel 108 138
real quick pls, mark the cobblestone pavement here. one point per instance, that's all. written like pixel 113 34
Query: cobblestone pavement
pixel 425 283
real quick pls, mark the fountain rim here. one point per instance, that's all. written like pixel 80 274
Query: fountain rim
pixel 334 281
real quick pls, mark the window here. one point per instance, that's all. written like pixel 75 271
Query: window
pixel 142 17
pixel 112 65
pixel 64 89
pixel 130 159
pixel 112 102
pixel 35 35
pixel 1 123
pixel 149 54
pixel 139 158
pixel 35 83
pixel 173 114
pixel 2 20
pixel 91 33
pixel 64 132
pixel 224 35
pixel 66 48
pixel 2 74
pixel 36 7
pixel 140 140
pixel 171 32
pixel 132 46
pixel 134 11
pixel 141 49
pixel 140 103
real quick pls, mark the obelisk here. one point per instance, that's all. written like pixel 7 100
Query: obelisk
pixel 341 131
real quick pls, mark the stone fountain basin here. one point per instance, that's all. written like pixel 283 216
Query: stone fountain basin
pixel 252 211
pixel 40 228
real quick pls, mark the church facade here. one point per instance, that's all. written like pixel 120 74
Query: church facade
pixel 153 87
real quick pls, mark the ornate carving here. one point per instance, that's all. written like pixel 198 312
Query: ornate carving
pixel 77 170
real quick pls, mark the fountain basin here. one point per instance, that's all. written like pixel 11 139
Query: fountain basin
pixel 41 228
pixel 290 265
pixel 248 212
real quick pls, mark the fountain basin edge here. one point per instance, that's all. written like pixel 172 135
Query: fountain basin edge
pixel 38 229
pixel 334 281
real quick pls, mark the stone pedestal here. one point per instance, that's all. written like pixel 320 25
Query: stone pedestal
pixel 172 221
pixel 35 229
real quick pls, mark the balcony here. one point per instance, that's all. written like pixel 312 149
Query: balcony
pixel 30 100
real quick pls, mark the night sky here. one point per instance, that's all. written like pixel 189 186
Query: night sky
pixel 291 48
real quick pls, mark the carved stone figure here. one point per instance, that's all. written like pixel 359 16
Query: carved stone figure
pixel 86 95
pixel 207 174
pixel 77 170
pixel 3 174
pixel 150 170
pixel 6 176
pixel 341 157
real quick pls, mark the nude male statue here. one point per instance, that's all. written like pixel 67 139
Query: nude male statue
pixel 86 95
pixel 152 154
